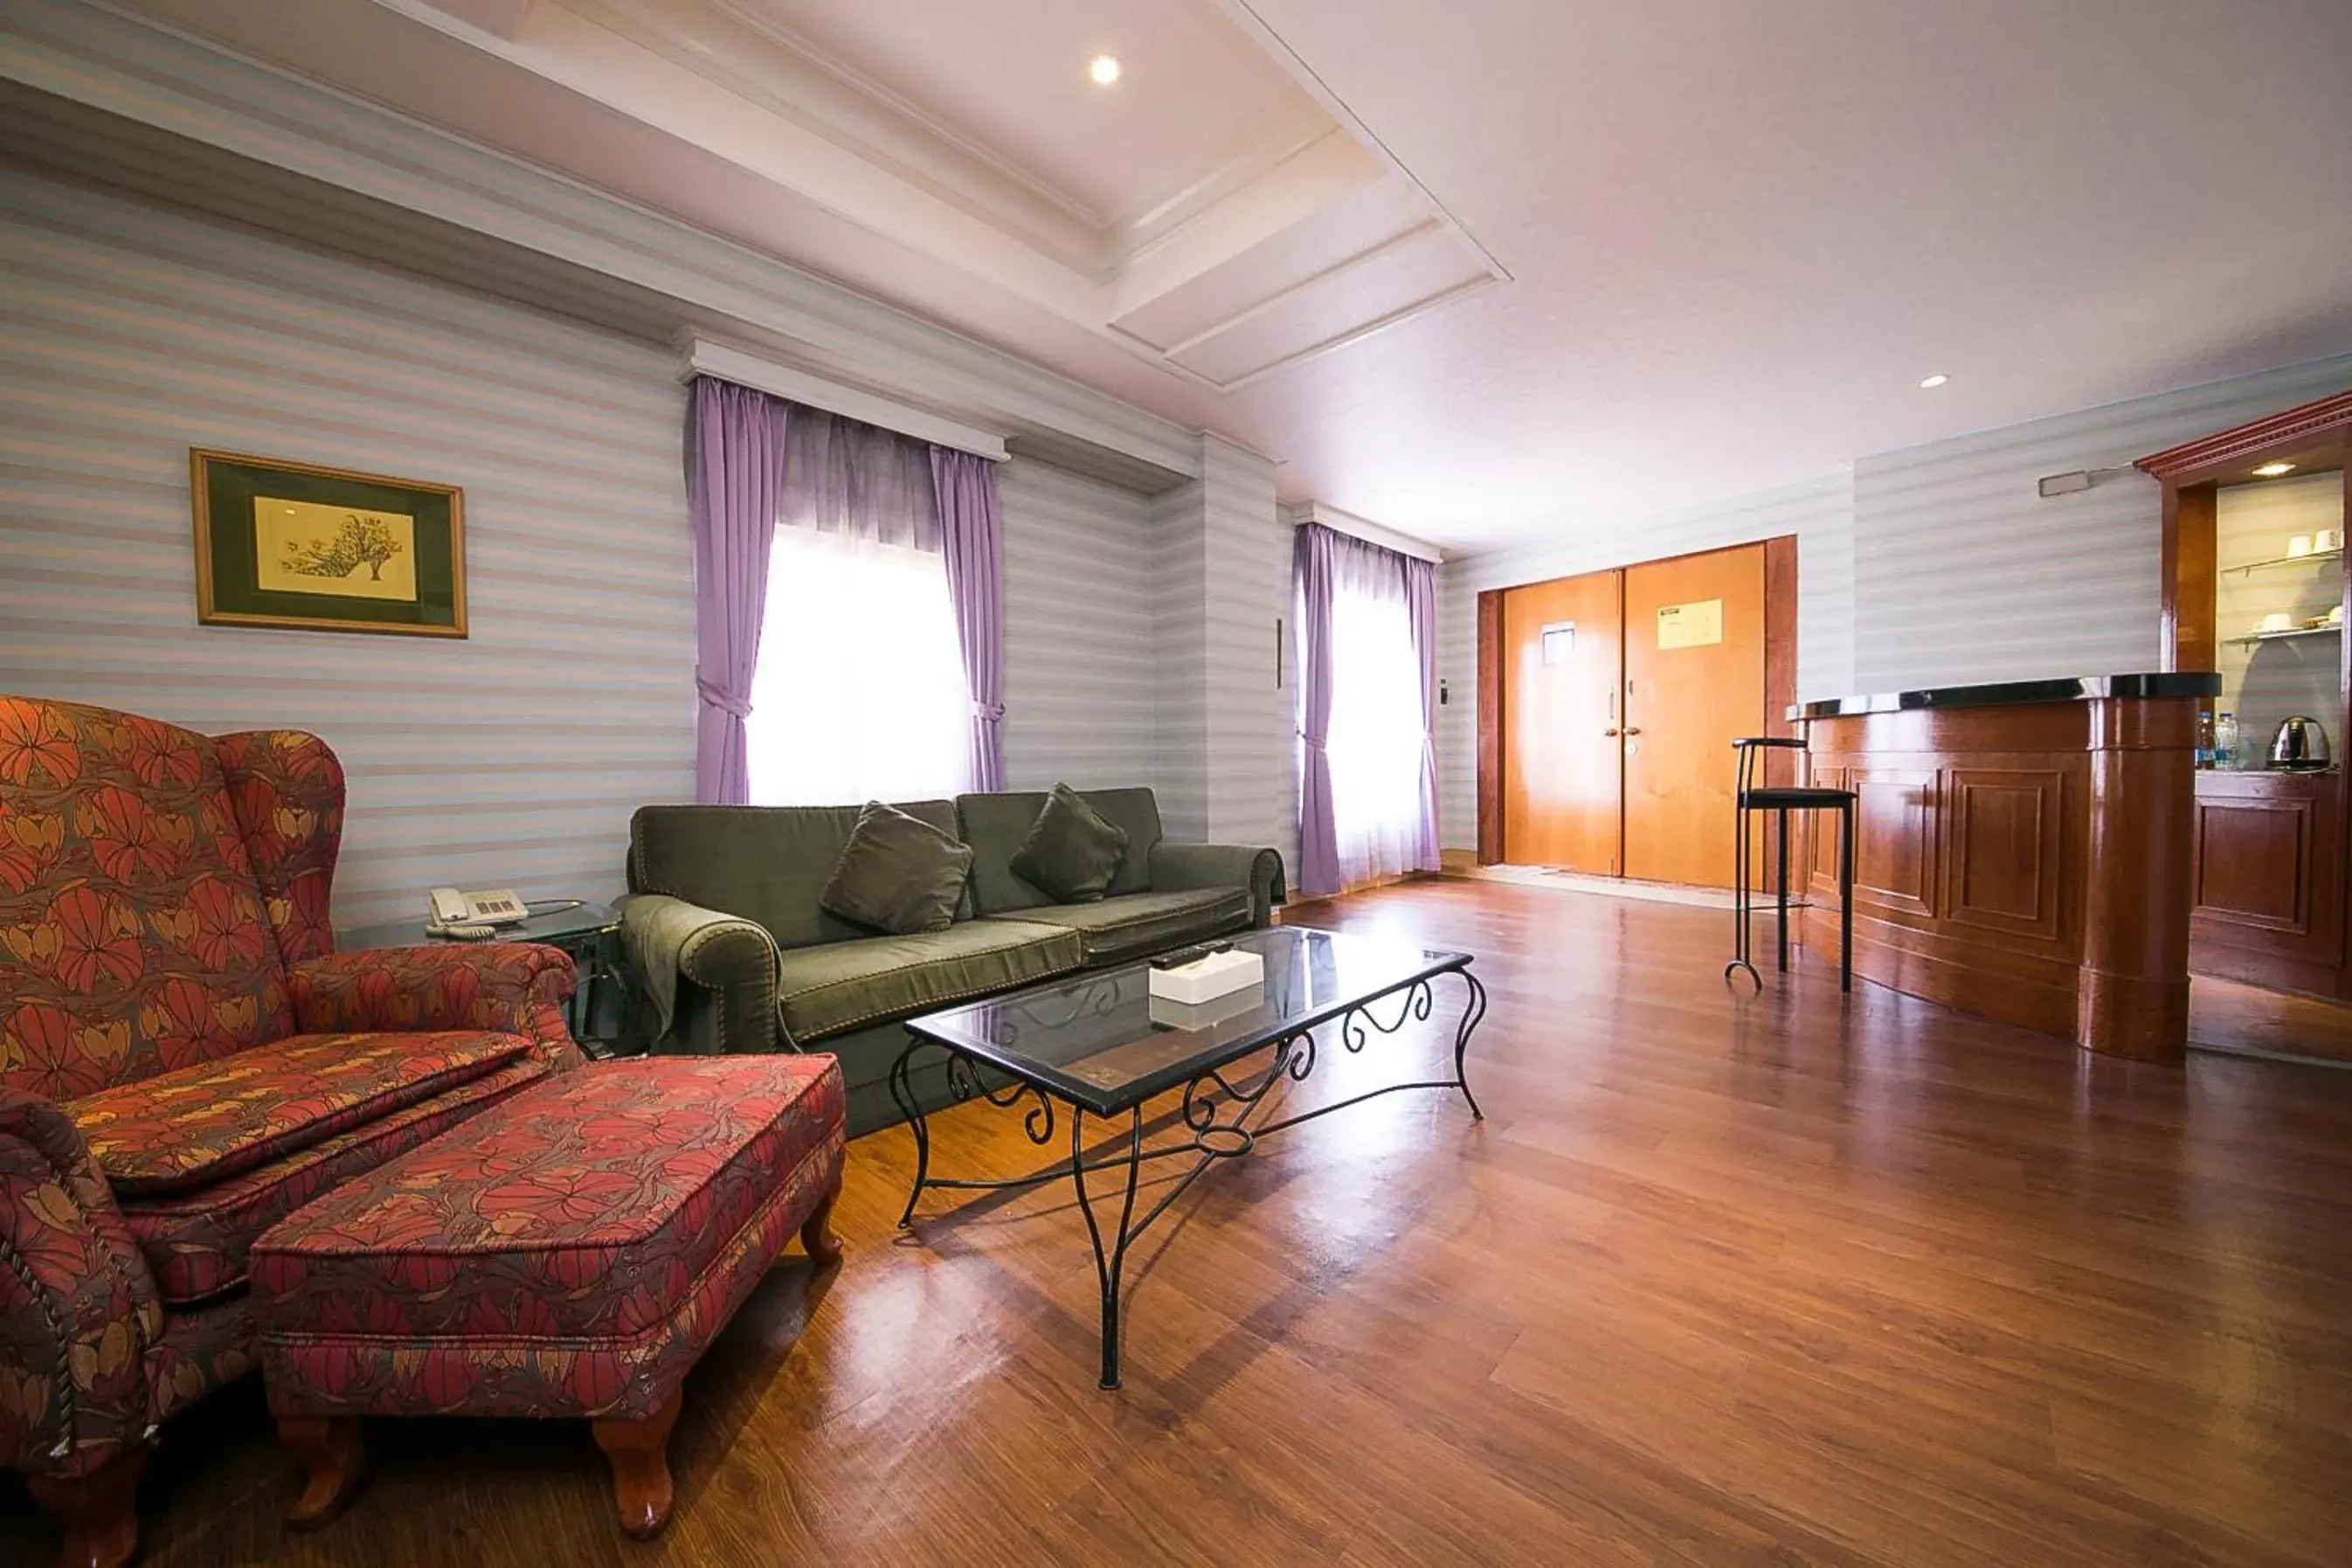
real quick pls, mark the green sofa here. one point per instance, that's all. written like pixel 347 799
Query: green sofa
pixel 731 952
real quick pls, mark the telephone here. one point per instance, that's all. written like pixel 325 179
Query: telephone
pixel 472 915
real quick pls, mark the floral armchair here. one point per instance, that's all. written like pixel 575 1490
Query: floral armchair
pixel 184 1061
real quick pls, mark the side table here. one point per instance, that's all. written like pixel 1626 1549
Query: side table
pixel 586 931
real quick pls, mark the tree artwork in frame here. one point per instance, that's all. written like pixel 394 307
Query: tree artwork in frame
pixel 325 549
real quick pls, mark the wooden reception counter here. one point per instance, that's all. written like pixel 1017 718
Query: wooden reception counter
pixel 2021 850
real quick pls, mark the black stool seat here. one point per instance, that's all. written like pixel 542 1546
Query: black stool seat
pixel 1804 799
pixel 1747 796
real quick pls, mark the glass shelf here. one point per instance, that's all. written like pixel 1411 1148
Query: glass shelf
pixel 2283 560
pixel 2291 632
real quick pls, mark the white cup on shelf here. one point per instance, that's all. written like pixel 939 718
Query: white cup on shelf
pixel 2276 620
pixel 2298 546
pixel 2327 539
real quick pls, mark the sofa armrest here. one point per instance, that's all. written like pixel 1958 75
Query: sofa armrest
pixel 666 939
pixel 514 987
pixel 77 1306
pixel 1176 867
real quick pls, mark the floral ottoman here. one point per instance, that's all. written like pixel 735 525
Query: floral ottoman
pixel 570 1252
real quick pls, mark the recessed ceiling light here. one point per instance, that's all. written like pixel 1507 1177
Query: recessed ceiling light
pixel 2273 470
pixel 1930 384
pixel 1103 70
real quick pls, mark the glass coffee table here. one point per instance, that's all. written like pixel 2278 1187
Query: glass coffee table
pixel 1100 1045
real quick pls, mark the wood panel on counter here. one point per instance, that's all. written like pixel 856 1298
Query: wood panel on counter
pixel 2024 861
pixel 2267 901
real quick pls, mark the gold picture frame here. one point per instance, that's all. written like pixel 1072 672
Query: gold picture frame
pixel 297 545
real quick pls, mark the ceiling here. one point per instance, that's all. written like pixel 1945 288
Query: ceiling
pixel 1482 270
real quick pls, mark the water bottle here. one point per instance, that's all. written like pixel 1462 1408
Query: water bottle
pixel 2204 738
pixel 2225 740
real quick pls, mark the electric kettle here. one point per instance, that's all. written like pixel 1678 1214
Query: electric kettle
pixel 2300 743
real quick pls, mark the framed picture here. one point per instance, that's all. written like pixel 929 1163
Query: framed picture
pixel 287 544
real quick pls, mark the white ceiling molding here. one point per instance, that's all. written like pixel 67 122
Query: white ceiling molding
pixel 699 356
pixel 1246 16
pixel 144 72
pixel 740 80
pixel 499 18
pixel 1363 529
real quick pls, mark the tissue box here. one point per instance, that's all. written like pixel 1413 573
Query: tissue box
pixel 1205 980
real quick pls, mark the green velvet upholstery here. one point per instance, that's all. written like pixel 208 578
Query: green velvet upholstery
pixel 725 932
pixel 1178 867
pixel 898 874
pixel 1136 925
pixel 994 826
pixel 1071 851
pixel 843 986
pixel 766 863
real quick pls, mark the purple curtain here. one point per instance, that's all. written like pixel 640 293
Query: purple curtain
pixel 1421 604
pixel 734 474
pixel 1318 834
pixel 971 536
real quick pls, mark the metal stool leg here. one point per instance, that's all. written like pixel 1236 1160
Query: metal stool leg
pixel 1741 936
pixel 1783 883
pixel 1846 897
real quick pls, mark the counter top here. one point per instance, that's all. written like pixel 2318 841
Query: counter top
pixel 2068 689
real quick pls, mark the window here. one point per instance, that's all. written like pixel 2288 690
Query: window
pixel 860 692
pixel 1378 730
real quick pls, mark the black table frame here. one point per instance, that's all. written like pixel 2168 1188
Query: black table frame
pixel 1217 1110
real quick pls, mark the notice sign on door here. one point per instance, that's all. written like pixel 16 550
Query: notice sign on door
pixel 1698 624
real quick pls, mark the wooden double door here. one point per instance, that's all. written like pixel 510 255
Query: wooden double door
pixel 1622 692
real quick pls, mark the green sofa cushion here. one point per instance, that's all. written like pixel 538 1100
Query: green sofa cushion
pixel 844 985
pixel 766 864
pixel 1071 851
pixel 898 873
pixel 1117 929
pixel 995 825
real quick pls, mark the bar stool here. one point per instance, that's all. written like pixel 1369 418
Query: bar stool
pixel 1752 796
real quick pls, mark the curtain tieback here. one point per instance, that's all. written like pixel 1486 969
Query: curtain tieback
pixel 726 702
pixel 988 713
pixel 1311 744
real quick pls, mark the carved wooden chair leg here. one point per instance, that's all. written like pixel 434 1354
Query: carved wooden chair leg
pixel 98 1511
pixel 817 1234
pixel 334 1456
pixel 640 1453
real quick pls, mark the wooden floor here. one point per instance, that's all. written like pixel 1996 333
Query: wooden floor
pixel 1795 1279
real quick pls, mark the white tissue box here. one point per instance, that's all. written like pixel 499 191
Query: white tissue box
pixel 1204 979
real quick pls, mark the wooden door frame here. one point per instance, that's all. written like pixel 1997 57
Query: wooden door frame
pixel 1779 672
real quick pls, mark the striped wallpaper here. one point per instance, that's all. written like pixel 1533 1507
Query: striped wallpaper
pixel 1964 572
pixel 511 758
pixel 515 757
pixel 1179 649
pixel 1078 672
pixel 1252 755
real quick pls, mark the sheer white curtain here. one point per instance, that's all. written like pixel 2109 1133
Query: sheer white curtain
pixel 860 692
pixel 1377 725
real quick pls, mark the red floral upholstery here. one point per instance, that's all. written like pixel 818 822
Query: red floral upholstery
pixel 516 987
pixel 202 1348
pixel 288 792
pixel 569 1253
pixel 210 1122
pixel 196 1241
pixel 156 885
pixel 132 934
pixel 77 1308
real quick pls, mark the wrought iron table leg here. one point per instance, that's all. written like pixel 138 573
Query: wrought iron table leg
pixel 1110 1265
pixel 902 1089
pixel 1473 1012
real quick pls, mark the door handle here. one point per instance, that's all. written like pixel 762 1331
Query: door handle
pixel 1611 730
pixel 1630 729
